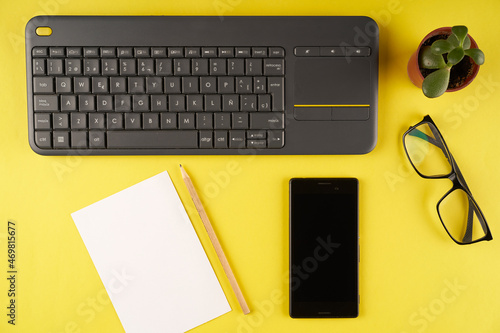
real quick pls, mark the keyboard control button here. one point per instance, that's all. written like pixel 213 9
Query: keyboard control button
pixel 257 144
pixel 237 139
pixel 226 52
pixel 209 52
pixel 57 51
pixel 276 52
pixel 97 139
pixel 42 121
pixel 125 52
pixel 159 52
pixel 275 139
pixel 361 51
pixel 39 52
pixel 259 52
pixel 276 86
pixel 60 139
pixel 43 139
pixel 90 52
pixel 274 67
pixel 306 51
pixel 267 120
pixel 79 139
pixel 108 52
pixel 152 139
pixel 220 139
pixel 243 52
pixel 45 103
pixel 332 51
pixel 74 51
pixel 192 52
pixel 206 139
pixel 141 52
pixel 43 85
pixel 256 135
pixel 175 52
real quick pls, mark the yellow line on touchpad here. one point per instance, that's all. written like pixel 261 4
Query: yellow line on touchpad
pixel 330 105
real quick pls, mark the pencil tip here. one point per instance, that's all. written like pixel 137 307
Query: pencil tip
pixel 180 165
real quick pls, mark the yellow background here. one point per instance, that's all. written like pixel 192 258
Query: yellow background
pixel 408 262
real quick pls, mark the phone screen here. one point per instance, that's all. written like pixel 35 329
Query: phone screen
pixel 324 247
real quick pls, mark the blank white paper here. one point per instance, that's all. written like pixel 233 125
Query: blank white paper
pixel 150 259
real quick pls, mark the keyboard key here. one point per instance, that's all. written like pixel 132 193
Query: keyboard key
pixel 256 134
pixel 39 52
pixel 209 52
pixel 192 52
pixel 237 139
pixel 332 51
pixel 43 85
pixel 150 121
pixel 357 51
pixel 159 52
pixel 168 120
pixel 109 66
pixel 199 66
pixel 267 120
pixel 152 139
pixel 253 66
pixel 274 67
pixel 187 121
pixel 78 121
pixel 104 103
pixel 108 52
pixel 175 52
pixel 204 120
pixel 114 121
pixel 132 121
pixel 56 51
pixel 158 103
pixel 127 67
pixel 91 67
pixel 63 85
pixel 259 52
pixel 275 139
pixel 190 85
pixel 60 139
pixel 206 139
pixel 146 67
pixel 136 85
pixel 256 144
pixel 82 85
pixel 208 85
pixel 176 103
pixel 74 51
pixel 38 66
pixel 140 103
pixel 173 85
pixel 212 103
pixel 142 52
pixel 226 52
pixel 68 103
pixel 236 67
pixel 91 52
pixel 96 121
pixel 248 102
pixel 217 67
pixel 43 139
pixel 306 51
pixel 42 121
pixel 60 120
pixel 220 139
pixel 240 120
pixel 73 66
pixel 55 67
pixel 125 52
pixel 243 52
pixel 97 139
pixel 276 86
pixel 225 85
pixel 123 103
pixel 86 103
pixel 276 52
pixel 259 84
pixel 230 103
pixel 244 85
pixel 264 103
pixel 222 120
pixel 100 85
pixel 46 103
pixel 117 85
pixel 154 85
pixel 163 67
pixel 194 102
pixel 79 139
pixel 181 66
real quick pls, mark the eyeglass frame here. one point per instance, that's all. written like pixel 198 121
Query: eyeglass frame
pixel 456 177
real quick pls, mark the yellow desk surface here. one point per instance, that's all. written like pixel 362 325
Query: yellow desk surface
pixel 413 277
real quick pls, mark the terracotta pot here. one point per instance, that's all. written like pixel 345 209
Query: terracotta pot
pixel 414 72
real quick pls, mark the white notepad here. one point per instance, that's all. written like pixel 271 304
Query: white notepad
pixel 150 259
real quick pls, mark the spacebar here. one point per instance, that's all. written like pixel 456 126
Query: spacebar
pixel 152 139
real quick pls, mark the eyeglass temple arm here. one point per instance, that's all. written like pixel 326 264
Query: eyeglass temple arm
pixel 470 216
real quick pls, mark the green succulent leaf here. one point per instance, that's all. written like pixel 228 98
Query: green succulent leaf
pixel 430 60
pixel 466 43
pixel 461 32
pixel 441 46
pixel 455 56
pixel 436 83
pixel 476 54
pixel 453 40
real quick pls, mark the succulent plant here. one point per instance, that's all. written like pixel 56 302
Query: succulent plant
pixel 455 47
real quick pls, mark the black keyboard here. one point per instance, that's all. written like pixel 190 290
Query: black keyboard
pixel 109 85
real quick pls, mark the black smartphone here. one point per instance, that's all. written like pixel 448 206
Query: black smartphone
pixel 324 248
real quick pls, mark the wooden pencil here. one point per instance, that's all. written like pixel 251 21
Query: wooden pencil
pixel 214 240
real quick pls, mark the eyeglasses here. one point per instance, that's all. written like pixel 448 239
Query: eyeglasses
pixel 458 211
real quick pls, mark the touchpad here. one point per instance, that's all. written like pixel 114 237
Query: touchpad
pixel 341 86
